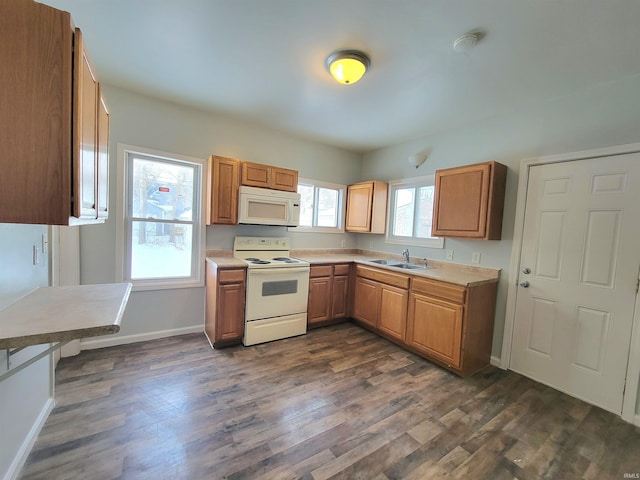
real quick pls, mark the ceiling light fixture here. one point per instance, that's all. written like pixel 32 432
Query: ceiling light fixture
pixel 348 66
pixel 466 42
pixel 417 159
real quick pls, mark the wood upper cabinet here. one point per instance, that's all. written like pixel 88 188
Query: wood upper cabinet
pixel 266 176
pixel 223 182
pixel 469 201
pixel 102 187
pixel 53 123
pixel 367 207
pixel 225 298
pixel 328 294
pixel 284 179
pixel 380 300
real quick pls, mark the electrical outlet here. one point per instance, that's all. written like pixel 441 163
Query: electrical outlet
pixel 36 260
pixel 475 257
pixel 45 243
pixel 343 243
pixel 449 255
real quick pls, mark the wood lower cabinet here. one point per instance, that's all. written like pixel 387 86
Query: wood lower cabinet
pixel 328 294
pixel 367 207
pixel 54 128
pixel 340 295
pixel 366 301
pixel 451 324
pixel 266 176
pixel 380 300
pixel 469 201
pixel 393 311
pixel 225 300
pixel 435 328
pixel 223 182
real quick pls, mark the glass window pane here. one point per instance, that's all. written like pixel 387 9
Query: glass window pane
pixel 327 207
pixel 162 190
pixel 425 212
pixel 306 204
pixel 403 213
pixel 160 250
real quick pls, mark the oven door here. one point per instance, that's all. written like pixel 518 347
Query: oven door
pixel 275 292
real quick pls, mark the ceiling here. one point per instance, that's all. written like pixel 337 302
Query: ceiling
pixel 263 60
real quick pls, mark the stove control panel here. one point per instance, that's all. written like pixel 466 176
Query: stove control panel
pixel 261 243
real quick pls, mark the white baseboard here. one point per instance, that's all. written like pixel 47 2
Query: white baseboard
pixel 110 341
pixel 495 361
pixel 29 441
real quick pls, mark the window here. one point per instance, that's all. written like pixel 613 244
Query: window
pixel 411 212
pixel 163 232
pixel 321 206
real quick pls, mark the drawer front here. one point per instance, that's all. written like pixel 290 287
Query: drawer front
pixel 448 291
pixel 390 278
pixel 320 271
pixel 341 269
pixel 231 276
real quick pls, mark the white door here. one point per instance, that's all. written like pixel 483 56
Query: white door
pixel 579 270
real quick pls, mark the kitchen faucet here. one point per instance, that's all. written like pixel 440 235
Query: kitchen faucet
pixel 405 254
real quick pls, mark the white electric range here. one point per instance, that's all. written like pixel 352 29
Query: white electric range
pixel 277 289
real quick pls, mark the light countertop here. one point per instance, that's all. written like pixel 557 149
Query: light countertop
pixel 59 314
pixel 465 275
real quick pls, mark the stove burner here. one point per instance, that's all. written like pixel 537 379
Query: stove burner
pixel 285 260
pixel 257 261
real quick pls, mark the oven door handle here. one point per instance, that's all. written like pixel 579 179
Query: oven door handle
pixel 278 270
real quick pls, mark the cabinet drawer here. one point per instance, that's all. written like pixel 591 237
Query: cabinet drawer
pixel 341 269
pixel 390 278
pixel 444 290
pixel 231 276
pixel 320 271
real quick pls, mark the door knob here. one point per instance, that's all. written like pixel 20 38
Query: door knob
pixel 524 284
pixel 526 270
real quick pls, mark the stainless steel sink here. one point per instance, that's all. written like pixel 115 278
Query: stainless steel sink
pixel 397 264
pixel 384 262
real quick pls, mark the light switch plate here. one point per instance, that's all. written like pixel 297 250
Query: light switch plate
pixel 475 257
pixel 449 255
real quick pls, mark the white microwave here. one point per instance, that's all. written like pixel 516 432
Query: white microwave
pixel 262 206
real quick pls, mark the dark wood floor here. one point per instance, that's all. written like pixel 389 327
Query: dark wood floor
pixel 338 402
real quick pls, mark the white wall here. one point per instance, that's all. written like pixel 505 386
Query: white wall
pixel 599 117
pixel 151 123
pixel 26 397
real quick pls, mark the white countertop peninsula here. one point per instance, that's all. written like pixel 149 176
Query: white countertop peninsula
pixel 60 314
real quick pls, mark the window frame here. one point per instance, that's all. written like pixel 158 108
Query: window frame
pixel 125 220
pixel 342 207
pixel 415 182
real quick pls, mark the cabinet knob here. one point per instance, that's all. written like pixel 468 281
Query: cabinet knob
pixel 524 284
